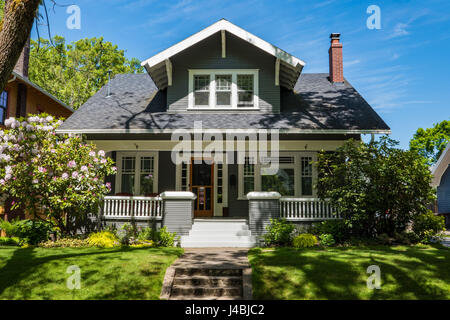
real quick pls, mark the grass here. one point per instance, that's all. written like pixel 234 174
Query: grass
pixel 116 273
pixel 407 272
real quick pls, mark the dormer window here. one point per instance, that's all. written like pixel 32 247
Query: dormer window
pixel 223 89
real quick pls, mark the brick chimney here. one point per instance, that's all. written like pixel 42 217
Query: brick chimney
pixel 21 66
pixel 336 60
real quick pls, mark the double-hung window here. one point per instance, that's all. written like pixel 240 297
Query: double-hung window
pixel 292 174
pixel 223 89
pixel 137 173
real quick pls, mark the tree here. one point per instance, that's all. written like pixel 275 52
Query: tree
pixel 376 187
pixel 74 72
pixel 15 28
pixel 52 177
pixel 431 142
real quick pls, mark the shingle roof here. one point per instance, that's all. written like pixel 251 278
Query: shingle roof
pixel 135 103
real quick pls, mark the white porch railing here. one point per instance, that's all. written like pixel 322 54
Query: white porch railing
pixel 127 207
pixel 306 209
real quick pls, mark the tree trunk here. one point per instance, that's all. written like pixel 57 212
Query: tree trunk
pixel 17 23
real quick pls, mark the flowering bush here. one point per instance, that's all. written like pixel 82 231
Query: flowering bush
pixel 57 177
pixel 65 243
pixel 104 239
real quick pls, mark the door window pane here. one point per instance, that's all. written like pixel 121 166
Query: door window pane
pixel 249 176
pixel 128 171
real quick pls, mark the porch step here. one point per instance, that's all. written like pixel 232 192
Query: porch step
pixel 209 233
pixel 191 283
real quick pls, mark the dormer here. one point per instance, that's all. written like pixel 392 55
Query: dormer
pixel 223 68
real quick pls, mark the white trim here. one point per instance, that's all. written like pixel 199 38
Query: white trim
pixel 233 29
pixel 263 195
pixel 297 173
pixel 212 88
pixel 281 131
pixel 178 195
pixel 137 169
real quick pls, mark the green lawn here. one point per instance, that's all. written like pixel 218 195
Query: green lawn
pixel 118 273
pixel 340 273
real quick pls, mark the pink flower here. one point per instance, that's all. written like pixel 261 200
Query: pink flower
pixel 84 168
pixel 95 160
pixel 42 170
pixel 64 175
pixel 35 181
pixel 92 153
pixel 108 185
pixel 103 160
pixel 74 174
pixel 71 164
pixel 2 181
pixel 101 153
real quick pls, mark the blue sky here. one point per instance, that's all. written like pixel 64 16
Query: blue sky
pixel 402 69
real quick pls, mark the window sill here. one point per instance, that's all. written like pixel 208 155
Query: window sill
pixel 222 109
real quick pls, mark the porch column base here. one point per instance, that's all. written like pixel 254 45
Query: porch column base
pixel 262 207
pixel 178 211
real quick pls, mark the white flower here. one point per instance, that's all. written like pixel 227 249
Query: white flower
pixel 84 168
pixel 49 118
pixel 101 153
pixel 9 122
pixel 8 176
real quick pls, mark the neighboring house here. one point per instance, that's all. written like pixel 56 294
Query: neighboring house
pixel 441 180
pixel 226 79
pixel 22 97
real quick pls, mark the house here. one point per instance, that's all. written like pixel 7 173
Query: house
pixel 441 180
pixel 227 87
pixel 22 97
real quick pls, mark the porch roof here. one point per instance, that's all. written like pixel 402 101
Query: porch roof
pixel 136 105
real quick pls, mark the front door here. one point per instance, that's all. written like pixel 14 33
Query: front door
pixel 201 183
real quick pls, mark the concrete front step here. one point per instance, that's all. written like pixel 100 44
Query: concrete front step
pixel 215 227
pixel 216 281
pixel 218 244
pixel 206 298
pixel 180 290
pixel 220 232
pixel 213 272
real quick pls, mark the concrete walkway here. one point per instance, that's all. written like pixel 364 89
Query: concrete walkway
pixel 221 258
pixel 446 240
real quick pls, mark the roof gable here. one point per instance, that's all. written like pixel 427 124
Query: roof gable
pixel 159 66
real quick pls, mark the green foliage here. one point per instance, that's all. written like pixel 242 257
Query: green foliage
pixel 376 187
pixel 432 141
pixel 6 241
pixel 327 240
pixel 29 232
pixel 76 71
pixel 428 225
pixel 304 240
pixel 9 227
pixel 103 239
pixel 164 238
pixel 338 229
pixel 56 176
pixel 65 243
pixel 279 233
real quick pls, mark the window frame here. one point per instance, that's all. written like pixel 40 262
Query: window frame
pixel 212 88
pixel 137 170
pixel 297 174
pixel 5 108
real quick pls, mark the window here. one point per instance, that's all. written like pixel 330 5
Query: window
pixel 137 174
pixel 201 87
pixel 306 176
pixel 223 89
pixel 294 178
pixel 245 90
pixel 3 106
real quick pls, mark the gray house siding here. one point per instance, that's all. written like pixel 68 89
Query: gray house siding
pixel 443 193
pixel 166 172
pixel 208 55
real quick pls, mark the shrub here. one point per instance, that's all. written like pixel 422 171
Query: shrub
pixel 9 227
pixel 29 231
pixel 6 241
pixel 143 244
pixel 126 234
pixel 327 240
pixel 384 239
pixel 164 238
pixel 65 243
pixel 428 225
pixel 279 233
pixel 103 239
pixel 336 228
pixel 304 240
